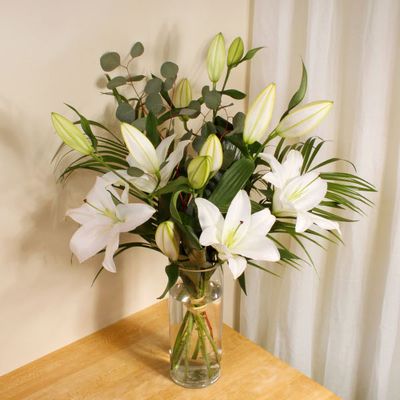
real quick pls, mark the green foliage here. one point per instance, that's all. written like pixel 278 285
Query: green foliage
pixel 146 102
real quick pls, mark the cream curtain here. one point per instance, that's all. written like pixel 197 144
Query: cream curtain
pixel 342 325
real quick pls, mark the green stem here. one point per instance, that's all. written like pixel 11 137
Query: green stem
pixel 271 136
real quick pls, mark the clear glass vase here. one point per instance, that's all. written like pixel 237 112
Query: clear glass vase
pixel 195 327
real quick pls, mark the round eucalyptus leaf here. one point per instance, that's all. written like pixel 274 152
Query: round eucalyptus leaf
pixel 137 50
pixel 115 82
pixel 140 124
pixel 134 171
pixel 136 78
pixel 169 82
pixel 125 113
pixel 154 103
pixel 212 99
pixel 110 61
pixel 153 86
pixel 169 70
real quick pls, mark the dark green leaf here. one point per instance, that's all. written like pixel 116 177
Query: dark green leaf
pixel 134 171
pixel 115 82
pixel 242 282
pixel 140 124
pixel 169 70
pixel 250 54
pixel 110 61
pixel 212 98
pixel 137 50
pixel 235 94
pixel 153 86
pixel 233 180
pixel 300 93
pixel 125 113
pixel 178 184
pixel 136 78
pixel 85 124
pixel 151 129
pixel 172 272
pixel 168 83
pixel 154 103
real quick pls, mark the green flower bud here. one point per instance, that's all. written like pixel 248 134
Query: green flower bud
pixel 302 120
pixel 71 135
pixel 213 148
pixel 167 239
pixel 182 94
pixel 235 52
pixel 216 58
pixel 259 115
pixel 199 171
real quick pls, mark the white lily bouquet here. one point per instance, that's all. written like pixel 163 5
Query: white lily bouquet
pixel 222 193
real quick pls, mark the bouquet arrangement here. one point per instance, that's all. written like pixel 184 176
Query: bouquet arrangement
pixel 203 187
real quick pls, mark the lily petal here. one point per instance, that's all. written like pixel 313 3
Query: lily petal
pixel 83 214
pixel 209 236
pixel 162 148
pixel 258 248
pixel 140 148
pixel 237 265
pixel 239 211
pixel 133 215
pixel 261 222
pixel 209 214
pixel 172 161
pixel 90 238
pixel 112 246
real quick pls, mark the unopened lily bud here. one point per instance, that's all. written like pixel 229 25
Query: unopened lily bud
pixel 259 115
pixel 182 94
pixel 216 58
pixel 303 119
pixel 167 239
pixel 235 52
pixel 212 147
pixel 71 135
pixel 199 171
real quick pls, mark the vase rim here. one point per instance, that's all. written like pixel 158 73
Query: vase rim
pixel 213 268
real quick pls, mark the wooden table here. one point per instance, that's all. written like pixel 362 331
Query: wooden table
pixel 129 360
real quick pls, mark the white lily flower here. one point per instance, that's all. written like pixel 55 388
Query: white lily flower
pixel 102 221
pixel 239 235
pixel 155 164
pixel 303 119
pixel 295 194
pixel 259 115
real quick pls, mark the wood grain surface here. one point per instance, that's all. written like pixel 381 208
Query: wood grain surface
pixel 129 360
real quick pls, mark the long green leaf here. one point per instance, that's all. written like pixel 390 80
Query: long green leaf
pixel 233 180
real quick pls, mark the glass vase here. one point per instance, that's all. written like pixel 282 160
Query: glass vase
pixel 195 327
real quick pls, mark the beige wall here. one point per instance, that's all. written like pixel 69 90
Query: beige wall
pixel 50 52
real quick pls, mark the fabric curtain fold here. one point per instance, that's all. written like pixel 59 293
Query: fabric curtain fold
pixel 339 324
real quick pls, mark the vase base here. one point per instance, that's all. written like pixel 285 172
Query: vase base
pixel 194 379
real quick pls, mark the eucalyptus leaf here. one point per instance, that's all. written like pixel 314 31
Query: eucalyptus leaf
pixel 137 50
pixel 115 82
pixel 135 172
pixel 153 86
pixel 212 98
pixel 140 124
pixel 168 83
pixel 110 61
pixel 169 70
pixel 235 94
pixel 136 78
pixel 125 113
pixel 154 103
